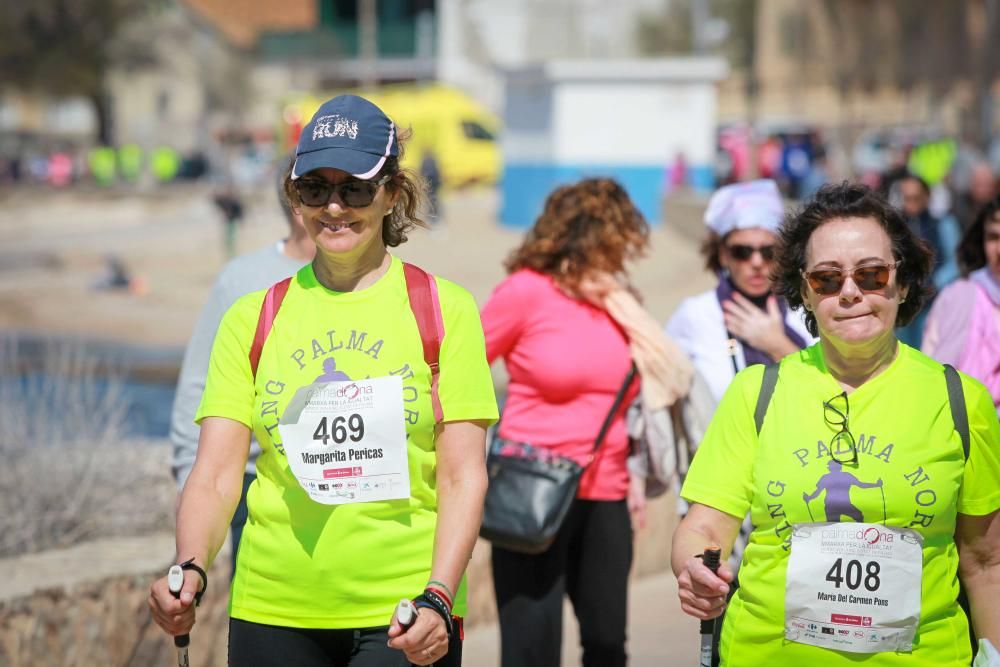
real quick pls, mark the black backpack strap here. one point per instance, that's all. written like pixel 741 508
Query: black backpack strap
pixel 956 399
pixel 959 415
pixel 764 397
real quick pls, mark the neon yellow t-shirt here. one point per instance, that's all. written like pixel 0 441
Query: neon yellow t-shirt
pixel 301 563
pixel 903 427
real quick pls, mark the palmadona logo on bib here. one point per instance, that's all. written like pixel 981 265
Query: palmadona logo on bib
pixel 872 535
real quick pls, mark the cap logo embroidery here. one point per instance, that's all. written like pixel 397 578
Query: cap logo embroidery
pixel 335 126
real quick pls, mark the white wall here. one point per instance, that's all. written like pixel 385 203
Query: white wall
pixel 637 123
pixel 478 39
pixel 604 112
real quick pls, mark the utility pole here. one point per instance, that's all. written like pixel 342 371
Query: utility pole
pixel 699 18
pixel 751 87
pixel 368 43
pixel 989 68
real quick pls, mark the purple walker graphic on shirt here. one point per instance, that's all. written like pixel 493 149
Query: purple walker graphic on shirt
pixel 330 372
pixel 837 504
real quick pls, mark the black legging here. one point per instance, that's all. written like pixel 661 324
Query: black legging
pixel 589 561
pixel 259 645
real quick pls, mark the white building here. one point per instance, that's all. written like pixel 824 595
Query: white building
pixel 627 119
pixel 480 39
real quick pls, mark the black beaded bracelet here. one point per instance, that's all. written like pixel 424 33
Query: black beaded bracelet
pixel 431 600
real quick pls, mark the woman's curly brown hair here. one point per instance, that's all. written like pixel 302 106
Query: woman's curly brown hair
pixel 589 226
pixel 852 200
pixel 405 215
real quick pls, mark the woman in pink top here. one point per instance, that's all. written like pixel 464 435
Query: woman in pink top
pixel 963 328
pixel 567 358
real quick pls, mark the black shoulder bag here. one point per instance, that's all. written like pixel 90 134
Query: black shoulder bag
pixel 531 489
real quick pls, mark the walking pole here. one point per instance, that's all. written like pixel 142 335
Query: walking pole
pixel 175 581
pixel 805 497
pixel 710 558
pixel 406 615
pixel 884 517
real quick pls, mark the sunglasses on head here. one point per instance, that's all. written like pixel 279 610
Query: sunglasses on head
pixel 743 253
pixel 870 278
pixel 354 193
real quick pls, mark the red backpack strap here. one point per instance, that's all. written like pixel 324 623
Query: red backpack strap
pixel 422 290
pixel 268 310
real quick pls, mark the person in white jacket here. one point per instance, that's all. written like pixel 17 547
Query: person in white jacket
pixel 740 322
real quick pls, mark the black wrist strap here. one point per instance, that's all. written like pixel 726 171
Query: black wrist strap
pixel 431 600
pixel 189 565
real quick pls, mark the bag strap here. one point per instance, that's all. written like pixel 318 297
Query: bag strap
pixel 619 397
pixel 421 288
pixel 268 310
pixel 767 385
pixel 956 400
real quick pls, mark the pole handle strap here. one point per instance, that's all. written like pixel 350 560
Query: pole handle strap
pixel 190 565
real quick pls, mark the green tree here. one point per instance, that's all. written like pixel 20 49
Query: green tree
pixel 65 48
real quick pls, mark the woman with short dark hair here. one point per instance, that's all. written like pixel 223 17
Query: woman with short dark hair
pixel 912 271
pixel 870 471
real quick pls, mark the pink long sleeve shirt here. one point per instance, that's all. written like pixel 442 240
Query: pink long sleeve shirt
pixel 566 360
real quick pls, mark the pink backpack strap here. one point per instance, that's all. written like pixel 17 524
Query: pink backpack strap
pixel 422 290
pixel 268 310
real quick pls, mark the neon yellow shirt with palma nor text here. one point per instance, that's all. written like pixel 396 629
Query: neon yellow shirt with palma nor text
pixel 902 424
pixel 304 564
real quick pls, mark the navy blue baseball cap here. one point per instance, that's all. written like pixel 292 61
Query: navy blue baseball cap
pixel 347 133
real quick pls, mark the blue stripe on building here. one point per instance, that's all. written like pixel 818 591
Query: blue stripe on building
pixel 525 187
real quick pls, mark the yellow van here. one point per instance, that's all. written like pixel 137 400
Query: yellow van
pixel 460 131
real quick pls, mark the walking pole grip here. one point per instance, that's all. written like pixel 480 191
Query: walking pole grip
pixel 175 581
pixel 711 558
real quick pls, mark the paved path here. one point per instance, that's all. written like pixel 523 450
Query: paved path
pixel 659 634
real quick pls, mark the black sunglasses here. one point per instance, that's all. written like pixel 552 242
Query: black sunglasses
pixel 354 193
pixel 743 253
pixel 843 449
pixel 870 278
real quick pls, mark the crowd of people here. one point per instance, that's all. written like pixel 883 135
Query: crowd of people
pixel 334 405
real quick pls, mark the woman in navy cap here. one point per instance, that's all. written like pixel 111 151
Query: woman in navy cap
pixel 371 482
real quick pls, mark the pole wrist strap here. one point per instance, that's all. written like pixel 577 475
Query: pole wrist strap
pixel 189 565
